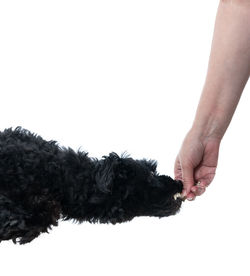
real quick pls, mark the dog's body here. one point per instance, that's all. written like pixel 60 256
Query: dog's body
pixel 41 182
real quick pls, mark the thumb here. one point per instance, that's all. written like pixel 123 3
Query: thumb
pixel 188 179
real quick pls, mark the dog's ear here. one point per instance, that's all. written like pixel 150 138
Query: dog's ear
pixel 106 172
pixel 150 164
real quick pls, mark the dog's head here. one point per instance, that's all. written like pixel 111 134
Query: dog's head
pixel 164 196
pixel 137 188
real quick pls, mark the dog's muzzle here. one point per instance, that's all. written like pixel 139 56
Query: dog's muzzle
pixel 177 195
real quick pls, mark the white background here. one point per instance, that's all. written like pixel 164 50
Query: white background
pixel 124 75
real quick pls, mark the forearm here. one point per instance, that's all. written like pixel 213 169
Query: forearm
pixel 228 68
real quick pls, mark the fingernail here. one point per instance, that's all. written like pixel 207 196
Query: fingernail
pixel 190 198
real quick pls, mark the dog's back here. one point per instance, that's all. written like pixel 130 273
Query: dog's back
pixel 28 176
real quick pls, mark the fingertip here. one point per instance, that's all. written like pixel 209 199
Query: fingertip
pixel 188 186
pixel 188 189
pixel 184 193
pixel 191 196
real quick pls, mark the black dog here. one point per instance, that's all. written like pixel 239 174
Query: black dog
pixel 41 182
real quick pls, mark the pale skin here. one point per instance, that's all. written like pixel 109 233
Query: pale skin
pixel 227 74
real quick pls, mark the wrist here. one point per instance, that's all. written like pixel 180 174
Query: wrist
pixel 208 127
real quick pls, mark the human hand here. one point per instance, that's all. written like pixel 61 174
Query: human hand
pixel 196 162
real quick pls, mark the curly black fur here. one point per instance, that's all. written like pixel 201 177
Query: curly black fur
pixel 41 182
